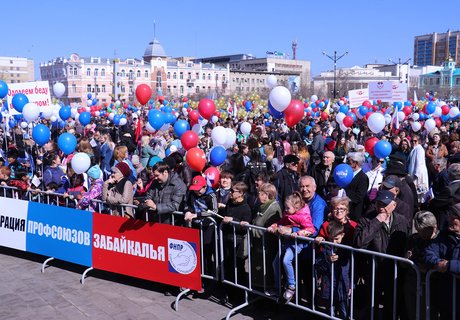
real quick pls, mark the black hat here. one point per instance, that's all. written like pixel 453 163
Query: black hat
pixel 455 211
pixel 385 196
pixel 290 158
pixel 396 165
pixel 392 181
pixel 454 158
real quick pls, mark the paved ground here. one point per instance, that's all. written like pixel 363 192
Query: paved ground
pixel 26 293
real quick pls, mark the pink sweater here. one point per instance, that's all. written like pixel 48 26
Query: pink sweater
pixel 301 219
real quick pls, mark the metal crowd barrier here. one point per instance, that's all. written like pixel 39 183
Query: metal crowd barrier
pixel 440 308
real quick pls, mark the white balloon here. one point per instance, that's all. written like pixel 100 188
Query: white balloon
pixel 31 112
pixel 454 111
pixel 47 112
pixel 339 117
pixel 203 122
pixel 23 124
pixel 197 128
pixel 387 118
pixel 58 89
pixel 359 115
pixel 147 126
pixel 77 115
pixel 80 162
pixel 401 116
pixel 123 121
pixel 437 112
pixel 376 122
pixel 117 103
pixel 163 128
pixel 341 103
pixel 230 138
pixel 245 128
pixel 416 126
pixel 343 128
pixel 214 119
pixel 53 118
pixel 280 97
pixel 272 81
pixel 314 98
pixel 89 102
pixel 430 124
pixel 219 136
pixel 415 116
pixel 31 125
pixel 73 112
pixel 97 113
pixel 111 115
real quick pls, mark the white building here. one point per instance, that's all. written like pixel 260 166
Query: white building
pixel 16 70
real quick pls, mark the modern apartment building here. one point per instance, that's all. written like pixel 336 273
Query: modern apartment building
pixel 435 48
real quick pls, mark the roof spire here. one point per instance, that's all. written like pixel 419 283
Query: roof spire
pixel 154 30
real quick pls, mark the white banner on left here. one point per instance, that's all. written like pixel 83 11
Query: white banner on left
pixel 13 223
pixel 37 92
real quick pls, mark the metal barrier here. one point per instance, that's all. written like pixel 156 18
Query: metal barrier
pixel 443 308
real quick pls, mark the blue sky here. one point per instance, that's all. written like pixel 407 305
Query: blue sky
pixel 372 31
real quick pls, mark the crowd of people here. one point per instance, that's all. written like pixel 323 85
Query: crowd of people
pixel 280 178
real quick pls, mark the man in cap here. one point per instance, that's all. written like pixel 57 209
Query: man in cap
pixel 287 179
pixel 383 231
pixel 393 184
pixel 443 255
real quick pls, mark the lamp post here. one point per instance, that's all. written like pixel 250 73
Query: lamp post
pixel 398 65
pixel 335 59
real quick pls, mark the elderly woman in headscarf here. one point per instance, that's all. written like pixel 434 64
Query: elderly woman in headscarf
pixel 118 190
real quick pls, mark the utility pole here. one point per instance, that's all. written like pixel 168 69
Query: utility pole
pixel 335 59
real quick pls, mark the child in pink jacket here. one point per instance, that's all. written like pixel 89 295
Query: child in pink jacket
pixel 296 221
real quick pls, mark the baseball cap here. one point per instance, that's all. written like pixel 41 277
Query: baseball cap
pixel 392 181
pixel 385 197
pixel 198 182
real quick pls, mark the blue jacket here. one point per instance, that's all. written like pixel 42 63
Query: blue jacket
pixel 317 211
pixel 106 156
pixel 445 247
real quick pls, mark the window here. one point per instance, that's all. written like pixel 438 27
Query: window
pixel 158 79
pixel 75 71
pixel 203 77
pixel 217 77
pixel 223 78
pixel 169 75
pixel 97 88
pixel 123 89
pixel 130 89
pixel 138 73
pixel 123 73
pixel 88 88
pixel 197 76
pixel 174 76
pixel 181 89
pixel 169 89
pixel 130 74
pixel 88 72
pixel 146 73
pixel 181 75
pixel 197 89
pixel 102 72
pixel 74 88
pixel 96 72
pixel 209 76
pixel 457 81
pixel 103 88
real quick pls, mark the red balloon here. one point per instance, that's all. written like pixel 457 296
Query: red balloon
pixel 370 144
pixel 194 116
pixel 438 122
pixel 367 103
pixel 347 121
pixel 143 93
pixel 184 99
pixel 331 145
pixel 445 109
pixel 196 159
pixel 368 115
pixel 414 103
pixel 189 139
pixel 324 116
pixel 217 114
pixel 294 113
pixel 213 175
pixel 407 110
pixel 206 108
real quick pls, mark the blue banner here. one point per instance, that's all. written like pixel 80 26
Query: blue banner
pixel 60 232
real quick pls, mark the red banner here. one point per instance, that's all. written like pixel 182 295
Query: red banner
pixel 151 251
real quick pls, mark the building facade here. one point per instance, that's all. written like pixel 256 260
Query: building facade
pixel 435 48
pixel 16 70
pixel 445 82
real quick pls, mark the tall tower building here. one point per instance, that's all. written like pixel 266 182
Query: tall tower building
pixel 435 48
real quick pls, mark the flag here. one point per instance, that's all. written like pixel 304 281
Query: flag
pixel 415 96
pixel 138 129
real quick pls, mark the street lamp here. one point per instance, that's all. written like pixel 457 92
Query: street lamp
pixel 335 59
pixel 398 65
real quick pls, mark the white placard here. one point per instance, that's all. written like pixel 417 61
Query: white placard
pixel 399 91
pixel 357 97
pixel 381 90
pixel 13 223
pixel 37 92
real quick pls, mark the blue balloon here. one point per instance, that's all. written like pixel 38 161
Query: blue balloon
pixel 407 104
pixel 116 119
pixel 85 118
pixel 351 114
pixel 156 119
pixel 17 117
pixel 185 105
pixel 165 102
pixel 167 109
pixel 275 113
pixel 321 105
pixel 89 95
pixel 94 102
pixel 343 174
pixel 41 134
pixel 19 101
pixel 248 105
pixel 344 109
pixel 307 129
pixel 444 118
pixel 67 143
pixel 382 149
pixel 180 127
pixel 398 104
pixel 363 110
pixel 3 89
pixel 217 156
pixel 12 123
pixel 431 107
pixel 65 112
pixel 169 118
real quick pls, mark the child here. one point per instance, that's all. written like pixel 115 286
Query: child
pixel 296 221
pixel 341 259
pixel 21 182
